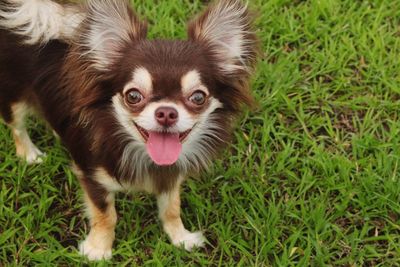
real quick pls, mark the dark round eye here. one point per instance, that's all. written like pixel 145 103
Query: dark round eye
pixel 198 98
pixel 133 97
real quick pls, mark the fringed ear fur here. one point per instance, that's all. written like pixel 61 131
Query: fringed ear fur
pixel 225 28
pixel 109 25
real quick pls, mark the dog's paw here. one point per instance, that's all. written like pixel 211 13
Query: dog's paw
pixel 190 240
pixel 34 156
pixel 31 154
pixel 94 252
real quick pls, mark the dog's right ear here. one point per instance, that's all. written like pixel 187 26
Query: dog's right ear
pixel 225 28
pixel 108 27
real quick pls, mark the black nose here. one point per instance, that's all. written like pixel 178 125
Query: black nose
pixel 166 116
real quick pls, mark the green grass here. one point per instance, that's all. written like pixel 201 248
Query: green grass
pixel 311 180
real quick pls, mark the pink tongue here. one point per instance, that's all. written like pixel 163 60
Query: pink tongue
pixel 164 148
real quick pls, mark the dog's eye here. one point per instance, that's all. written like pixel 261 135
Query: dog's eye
pixel 198 98
pixel 133 97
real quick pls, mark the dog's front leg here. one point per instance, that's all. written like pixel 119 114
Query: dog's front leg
pixel 103 218
pixel 169 205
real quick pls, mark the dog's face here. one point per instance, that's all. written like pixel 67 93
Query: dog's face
pixel 174 99
pixel 168 99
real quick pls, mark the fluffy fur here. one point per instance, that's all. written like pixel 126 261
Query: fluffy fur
pixel 39 21
pixel 79 64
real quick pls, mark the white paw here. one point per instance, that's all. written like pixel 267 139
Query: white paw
pixel 190 240
pixel 93 252
pixel 34 156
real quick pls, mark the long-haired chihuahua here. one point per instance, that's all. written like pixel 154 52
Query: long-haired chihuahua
pixel 134 113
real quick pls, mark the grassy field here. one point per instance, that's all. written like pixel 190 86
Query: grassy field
pixel 311 180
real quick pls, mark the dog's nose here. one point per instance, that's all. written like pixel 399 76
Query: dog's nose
pixel 166 116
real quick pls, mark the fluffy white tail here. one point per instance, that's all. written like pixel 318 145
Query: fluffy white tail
pixel 39 21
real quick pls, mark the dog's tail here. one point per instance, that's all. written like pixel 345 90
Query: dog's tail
pixel 39 21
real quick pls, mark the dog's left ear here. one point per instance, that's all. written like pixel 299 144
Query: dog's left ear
pixel 225 28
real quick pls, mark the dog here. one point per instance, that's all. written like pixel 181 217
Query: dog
pixel 135 114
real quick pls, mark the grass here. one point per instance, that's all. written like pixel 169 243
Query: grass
pixel 311 180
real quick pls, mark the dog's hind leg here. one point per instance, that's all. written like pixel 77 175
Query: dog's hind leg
pixel 25 149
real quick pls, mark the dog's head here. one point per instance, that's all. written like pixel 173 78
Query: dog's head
pixel 175 100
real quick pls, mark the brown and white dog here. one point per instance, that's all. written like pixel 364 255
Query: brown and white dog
pixel 135 114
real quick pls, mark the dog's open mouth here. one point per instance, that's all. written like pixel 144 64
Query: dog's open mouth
pixel 164 148
pixel 145 133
